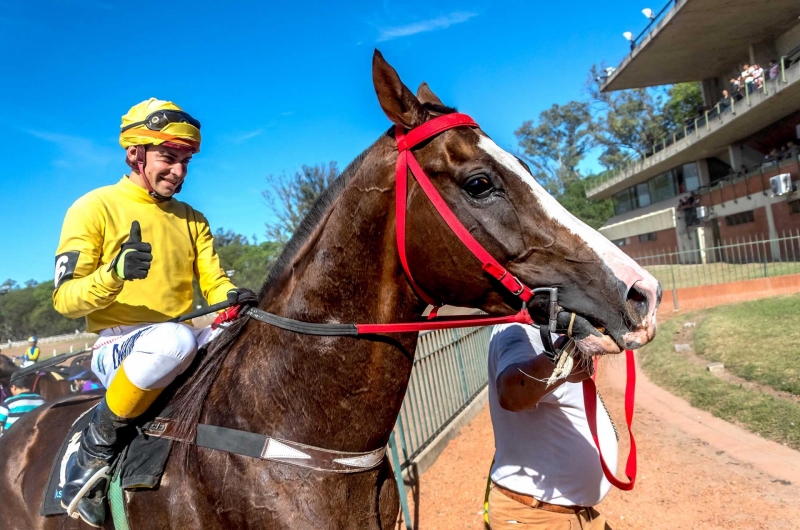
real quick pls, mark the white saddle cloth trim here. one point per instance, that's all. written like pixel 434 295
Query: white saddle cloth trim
pixel 275 449
pixel 364 461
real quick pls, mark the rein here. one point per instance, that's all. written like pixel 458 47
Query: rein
pixel 406 161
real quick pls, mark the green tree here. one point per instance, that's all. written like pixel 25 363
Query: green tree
pixel 248 263
pixel 593 213
pixel 556 143
pixel 291 198
pixel 685 103
pixel 29 310
pixel 629 122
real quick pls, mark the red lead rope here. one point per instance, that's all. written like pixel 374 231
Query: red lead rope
pixel 590 404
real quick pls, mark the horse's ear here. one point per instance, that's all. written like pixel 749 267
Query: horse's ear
pixel 397 101
pixel 426 95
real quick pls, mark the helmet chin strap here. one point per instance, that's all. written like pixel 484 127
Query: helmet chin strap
pixel 140 160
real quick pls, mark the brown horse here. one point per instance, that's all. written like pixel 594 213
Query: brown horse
pixel 344 393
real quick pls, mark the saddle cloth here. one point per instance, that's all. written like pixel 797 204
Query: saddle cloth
pixel 140 465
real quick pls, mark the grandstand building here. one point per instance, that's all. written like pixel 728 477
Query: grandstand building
pixel 709 182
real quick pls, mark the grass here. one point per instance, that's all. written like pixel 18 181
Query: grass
pixel 680 276
pixel 758 341
pixel 770 417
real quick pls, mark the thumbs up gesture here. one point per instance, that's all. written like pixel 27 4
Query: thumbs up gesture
pixel 133 260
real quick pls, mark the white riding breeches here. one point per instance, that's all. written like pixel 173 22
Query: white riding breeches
pixel 153 354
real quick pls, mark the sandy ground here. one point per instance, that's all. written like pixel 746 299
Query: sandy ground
pixel 47 349
pixel 684 482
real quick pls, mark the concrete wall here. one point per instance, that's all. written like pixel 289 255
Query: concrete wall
pixel 692 298
pixel 757 229
pixel 785 220
pixel 666 241
pixel 788 41
pixel 652 222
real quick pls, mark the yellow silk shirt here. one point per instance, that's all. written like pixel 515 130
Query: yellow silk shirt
pixel 95 228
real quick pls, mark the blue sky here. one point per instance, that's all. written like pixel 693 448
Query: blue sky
pixel 275 85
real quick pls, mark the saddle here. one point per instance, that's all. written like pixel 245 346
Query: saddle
pixel 139 466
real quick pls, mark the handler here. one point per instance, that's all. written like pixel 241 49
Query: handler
pixel 546 472
pixel 125 261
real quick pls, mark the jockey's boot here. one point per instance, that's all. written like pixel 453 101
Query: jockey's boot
pixel 109 431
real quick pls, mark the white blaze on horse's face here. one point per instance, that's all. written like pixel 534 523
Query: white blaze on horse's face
pixel 620 264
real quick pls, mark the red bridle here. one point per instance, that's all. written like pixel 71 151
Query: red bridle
pixel 405 162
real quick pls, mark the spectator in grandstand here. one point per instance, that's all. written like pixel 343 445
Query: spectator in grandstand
pixel 725 101
pixel 22 400
pixel 774 69
pixel 758 76
pixel 546 473
pixel 747 77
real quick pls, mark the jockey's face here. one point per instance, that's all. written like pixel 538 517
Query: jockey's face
pixel 165 168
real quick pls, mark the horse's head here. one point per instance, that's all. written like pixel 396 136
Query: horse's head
pixel 496 198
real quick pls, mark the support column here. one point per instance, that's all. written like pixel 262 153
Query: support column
pixel 773 232
pixel 711 91
pixel 702 171
pixel 701 244
pixel 735 156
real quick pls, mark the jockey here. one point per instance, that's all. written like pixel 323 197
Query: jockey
pixel 126 260
pixel 31 354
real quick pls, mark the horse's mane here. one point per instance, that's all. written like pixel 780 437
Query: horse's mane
pixel 193 386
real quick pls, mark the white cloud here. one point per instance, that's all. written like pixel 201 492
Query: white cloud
pixel 433 24
pixel 77 151
pixel 241 138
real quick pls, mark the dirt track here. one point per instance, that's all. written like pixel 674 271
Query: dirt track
pixel 685 481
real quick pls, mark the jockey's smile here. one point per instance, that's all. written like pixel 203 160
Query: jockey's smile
pixel 165 168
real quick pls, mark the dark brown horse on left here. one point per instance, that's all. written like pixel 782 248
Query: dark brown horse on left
pixel 344 393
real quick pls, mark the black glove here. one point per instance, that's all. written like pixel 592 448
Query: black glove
pixel 133 260
pixel 242 296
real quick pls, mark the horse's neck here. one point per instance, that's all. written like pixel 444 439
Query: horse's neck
pixel 334 392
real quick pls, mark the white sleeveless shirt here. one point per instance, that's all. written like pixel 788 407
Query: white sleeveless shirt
pixel 548 451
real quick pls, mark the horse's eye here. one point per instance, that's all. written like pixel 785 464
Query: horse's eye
pixel 479 187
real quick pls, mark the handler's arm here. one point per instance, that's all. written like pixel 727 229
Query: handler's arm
pixel 82 285
pixel 517 391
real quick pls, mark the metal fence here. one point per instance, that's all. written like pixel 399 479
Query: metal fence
pixel 733 260
pixel 449 372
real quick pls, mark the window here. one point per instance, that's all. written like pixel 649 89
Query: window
pixel 624 201
pixel 619 242
pixel 644 238
pixel 691 177
pixel 663 187
pixel 740 218
pixel 643 194
pixel 794 206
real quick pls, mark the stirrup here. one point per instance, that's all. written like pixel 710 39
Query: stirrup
pixel 102 473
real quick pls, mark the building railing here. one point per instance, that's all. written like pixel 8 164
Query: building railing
pixel 691 130
pixel 450 370
pixel 744 258
pixel 751 181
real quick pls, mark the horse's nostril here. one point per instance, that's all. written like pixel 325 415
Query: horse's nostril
pixel 638 302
